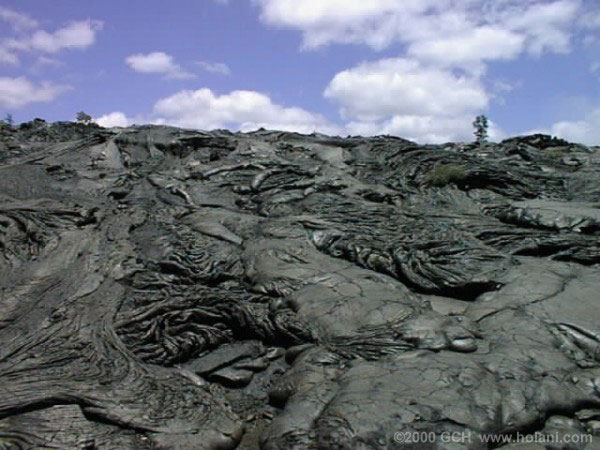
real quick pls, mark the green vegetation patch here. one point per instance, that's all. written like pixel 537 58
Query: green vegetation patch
pixel 442 174
pixel 556 153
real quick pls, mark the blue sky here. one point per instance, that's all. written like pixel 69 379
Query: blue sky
pixel 420 69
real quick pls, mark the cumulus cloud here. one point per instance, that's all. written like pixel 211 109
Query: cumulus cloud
pixel 114 119
pixel 157 63
pixel 75 35
pixel 19 92
pixel 546 26
pixel 469 48
pixel 243 110
pixel 585 130
pixel 535 25
pixel 404 97
pixel 237 110
pixel 215 67
pixel 342 21
pixel 406 87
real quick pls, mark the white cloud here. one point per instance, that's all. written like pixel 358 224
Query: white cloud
pixel 398 86
pixel 545 25
pixel 541 25
pixel 158 63
pixel 18 92
pixel 425 128
pixel 215 67
pixel 585 131
pixel 242 110
pixel 376 22
pixel 470 48
pixel 76 35
pixel 16 20
pixel 237 110
pixel 401 96
pixel 114 119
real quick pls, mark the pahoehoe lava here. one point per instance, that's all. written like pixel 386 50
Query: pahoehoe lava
pixel 163 288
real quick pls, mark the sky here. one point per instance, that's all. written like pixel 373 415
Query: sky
pixel 418 69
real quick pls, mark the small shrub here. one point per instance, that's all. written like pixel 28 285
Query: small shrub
pixel 442 174
pixel 556 153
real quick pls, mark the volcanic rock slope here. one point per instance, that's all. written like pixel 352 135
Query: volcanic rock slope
pixel 172 289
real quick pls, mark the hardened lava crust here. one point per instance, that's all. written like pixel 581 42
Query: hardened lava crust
pixel 163 288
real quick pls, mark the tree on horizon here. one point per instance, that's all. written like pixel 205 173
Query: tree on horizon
pixel 481 129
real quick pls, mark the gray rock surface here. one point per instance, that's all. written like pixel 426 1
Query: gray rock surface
pixel 171 289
